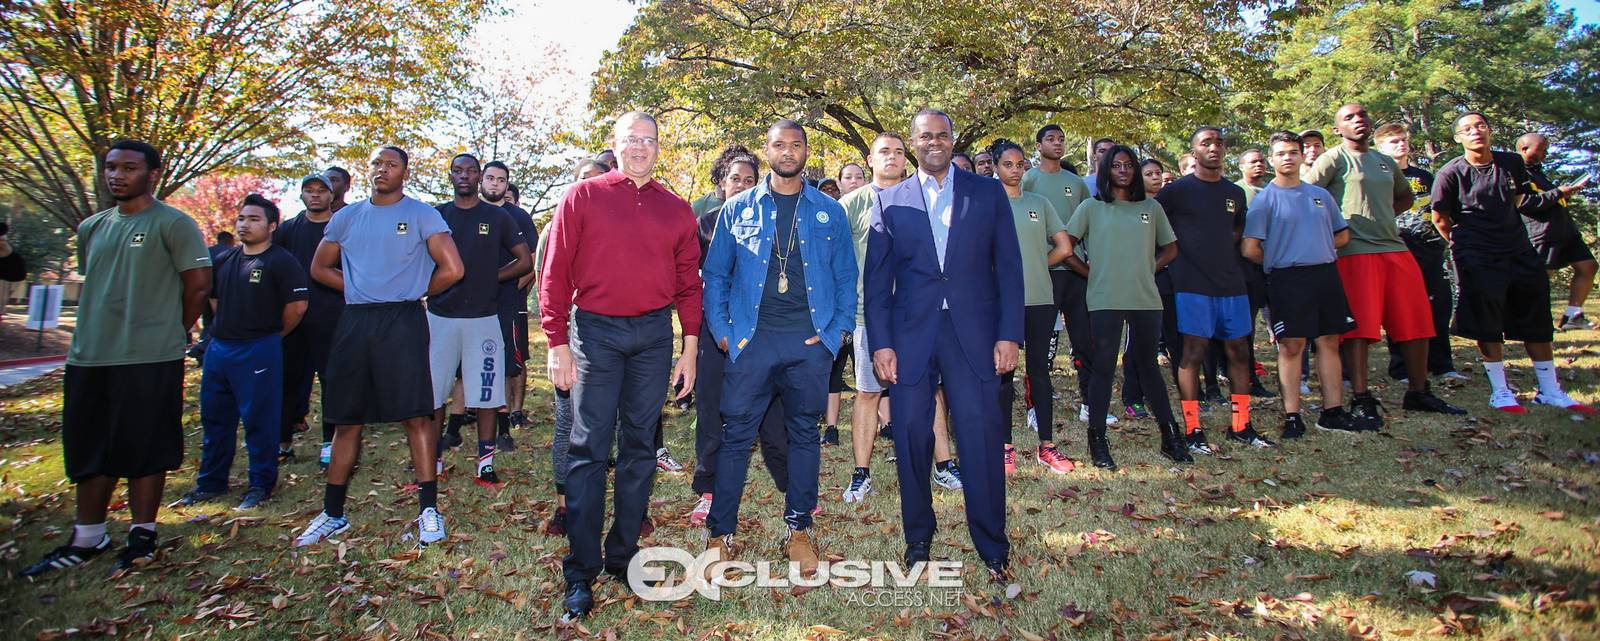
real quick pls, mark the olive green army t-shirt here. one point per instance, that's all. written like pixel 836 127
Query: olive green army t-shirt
pixel 1121 240
pixel 131 308
pixel 858 208
pixel 1036 221
pixel 1366 185
pixel 1064 189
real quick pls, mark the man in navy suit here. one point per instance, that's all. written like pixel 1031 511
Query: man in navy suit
pixel 943 286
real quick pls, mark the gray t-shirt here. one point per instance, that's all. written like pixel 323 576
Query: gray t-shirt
pixel 385 249
pixel 1296 226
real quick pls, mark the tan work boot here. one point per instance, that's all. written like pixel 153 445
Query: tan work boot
pixel 798 546
pixel 730 551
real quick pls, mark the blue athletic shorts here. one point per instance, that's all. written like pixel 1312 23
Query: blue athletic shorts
pixel 1220 317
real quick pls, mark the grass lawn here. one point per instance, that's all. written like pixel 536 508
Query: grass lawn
pixel 1312 540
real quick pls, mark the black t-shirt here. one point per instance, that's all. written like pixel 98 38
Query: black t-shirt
pixel 300 236
pixel 1482 204
pixel 1549 224
pixel 252 290
pixel 1204 216
pixel 511 298
pixel 480 234
pixel 785 311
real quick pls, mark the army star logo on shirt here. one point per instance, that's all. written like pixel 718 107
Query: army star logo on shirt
pixel 138 240
pixel 483 229
pixel 1318 201
pixel 255 275
pixel 1384 167
pixel 1068 189
pixel 1231 203
pixel 1144 217
pixel 401 228
pixel 1033 216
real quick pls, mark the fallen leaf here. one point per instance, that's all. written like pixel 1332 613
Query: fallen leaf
pixel 1419 577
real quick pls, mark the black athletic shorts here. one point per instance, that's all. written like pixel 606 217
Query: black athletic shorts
pixel 122 421
pixel 378 369
pixel 1563 252
pixel 1503 299
pixel 514 330
pixel 1308 301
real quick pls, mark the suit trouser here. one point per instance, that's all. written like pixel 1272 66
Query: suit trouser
pixel 709 422
pixel 305 355
pixel 979 434
pixel 623 364
pixel 1441 300
pixel 1071 290
pixel 241 379
pixel 774 363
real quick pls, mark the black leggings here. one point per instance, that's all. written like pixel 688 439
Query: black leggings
pixel 1038 326
pixel 1144 331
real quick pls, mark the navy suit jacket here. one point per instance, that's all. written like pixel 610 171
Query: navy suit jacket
pixel 981 279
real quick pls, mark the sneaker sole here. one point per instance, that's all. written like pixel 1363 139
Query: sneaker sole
pixel 492 486
pixel 1514 409
pixel 325 537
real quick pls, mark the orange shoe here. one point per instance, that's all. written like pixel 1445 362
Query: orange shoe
pixel 1011 460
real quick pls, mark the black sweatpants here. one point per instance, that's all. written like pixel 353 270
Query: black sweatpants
pixel 305 356
pixel 1070 290
pixel 1132 384
pixel 1144 330
pixel 1038 325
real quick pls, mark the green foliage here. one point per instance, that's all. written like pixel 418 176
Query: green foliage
pixel 41 239
pixel 853 68
pixel 214 85
pixel 1422 62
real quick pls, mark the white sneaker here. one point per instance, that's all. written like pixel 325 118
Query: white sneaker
pixel 1033 421
pixel 665 461
pixel 860 486
pixel 430 527
pixel 949 479
pixel 701 510
pixel 322 527
pixel 1083 415
pixel 1505 401
pixel 1305 390
pixel 1453 375
pixel 1558 398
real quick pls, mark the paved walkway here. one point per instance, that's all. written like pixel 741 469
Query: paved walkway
pixel 13 375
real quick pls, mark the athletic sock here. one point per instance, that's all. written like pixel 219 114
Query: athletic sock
pixel 1241 412
pixel 1497 374
pixel 456 421
pixel 88 536
pixel 503 422
pixel 485 455
pixel 1548 381
pixel 1191 416
pixel 427 494
pixel 1574 311
pixel 147 526
pixel 863 470
pixel 942 466
pixel 333 500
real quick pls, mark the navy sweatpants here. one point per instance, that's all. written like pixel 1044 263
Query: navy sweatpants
pixel 241 379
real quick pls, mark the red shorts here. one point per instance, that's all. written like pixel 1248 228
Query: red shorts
pixel 1386 294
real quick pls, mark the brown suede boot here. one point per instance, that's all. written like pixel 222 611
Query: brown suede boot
pixel 798 546
pixel 730 552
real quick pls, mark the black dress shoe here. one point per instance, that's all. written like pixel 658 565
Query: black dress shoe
pixel 999 570
pixel 579 600
pixel 917 551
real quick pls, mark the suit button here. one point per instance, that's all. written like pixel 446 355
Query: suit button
pixel 945 279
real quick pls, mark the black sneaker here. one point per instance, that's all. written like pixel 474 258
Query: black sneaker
pixel 449 441
pixel 253 497
pixel 1293 427
pixel 1199 445
pixel 488 478
pixel 504 443
pixel 1260 391
pixel 1367 410
pixel 1425 401
pixel 140 551
pixel 286 456
pixel 1336 419
pixel 1249 436
pixel 65 557
pixel 1215 396
pixel 197 496
pixel 519 419
pixel 886 432
pixel 830 436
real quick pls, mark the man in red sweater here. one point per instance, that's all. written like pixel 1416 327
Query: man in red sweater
pixel 621 253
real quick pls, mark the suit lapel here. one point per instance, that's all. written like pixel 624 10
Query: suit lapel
pixel 922 226
pixel 959 208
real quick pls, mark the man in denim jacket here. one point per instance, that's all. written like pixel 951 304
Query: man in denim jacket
pixel 780 295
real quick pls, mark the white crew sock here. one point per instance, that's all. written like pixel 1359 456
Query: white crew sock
pixel 148 526
pixel 1546 370
pixel 1574 311
pixel 1497 374
pixel 88 536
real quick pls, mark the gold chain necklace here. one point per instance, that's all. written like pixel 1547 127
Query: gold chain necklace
pixel 783 259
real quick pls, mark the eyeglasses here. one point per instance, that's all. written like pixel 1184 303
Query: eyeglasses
pixel 636 141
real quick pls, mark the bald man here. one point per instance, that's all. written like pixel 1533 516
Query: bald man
pixel 1555 237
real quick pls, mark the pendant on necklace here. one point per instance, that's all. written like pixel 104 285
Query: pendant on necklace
pixel 783 283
